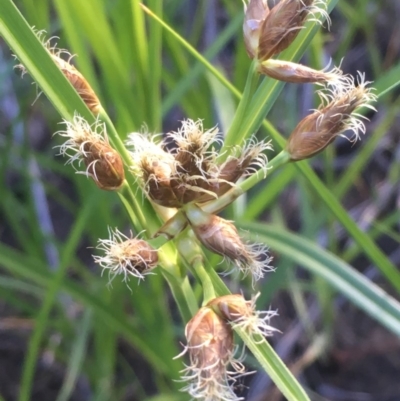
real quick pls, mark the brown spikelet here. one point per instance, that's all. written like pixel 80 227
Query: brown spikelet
pixel 156 174
pixel 241 313
pixel 155 166
pixel 138 256
pixel 104 165
pixel 90 144
pixel 194 162
pixel 221 236
pixel 126 256
pixel 297 73
pixel 212 364
pixel 248 159
pixel 78 81
pixel 209 338
pixel 255 13
pixel 282 25
pixel 316 131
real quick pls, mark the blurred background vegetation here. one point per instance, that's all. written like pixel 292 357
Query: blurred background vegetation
pixel 93 344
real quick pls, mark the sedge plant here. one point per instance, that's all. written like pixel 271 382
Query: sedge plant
pixel 174 185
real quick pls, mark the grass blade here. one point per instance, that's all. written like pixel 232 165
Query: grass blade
pixel 358 289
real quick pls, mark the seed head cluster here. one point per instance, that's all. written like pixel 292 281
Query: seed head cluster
pixel 269 31
pixel 190 172
pixel 185 171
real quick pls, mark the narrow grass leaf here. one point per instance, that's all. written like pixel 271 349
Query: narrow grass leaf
pixel 77 356
pixel 358 289
pixel 275 368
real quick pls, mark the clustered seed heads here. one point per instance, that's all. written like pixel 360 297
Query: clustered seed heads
pixel 334 117
pixel 126 256
pixel 90 144
pixel 213 369
pixel 184 170
pixel 267 32
pixel 190 175
pixel 191 171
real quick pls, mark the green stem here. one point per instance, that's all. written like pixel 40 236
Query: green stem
pixel 183 295
pixel 233 136
pixel 193 51
pixel 191 252
pixel 173 227
pixel 132 207
pixel 206 283
pixel 42 318
pixel 132 215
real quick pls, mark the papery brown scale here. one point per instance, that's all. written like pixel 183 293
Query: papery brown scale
pixel 333 117
pixel 143 256
pixel 305 141
pixel 232 170
pixel 318 130
pixel 257 9
pixel 222 237
pixel 235 167
pixel 281 27
pixel 80 84
pixel 104 165
pixel 256 12
pixel 333 120
pixel 190 181
pixel 210 342
pixel 292 72
pixel 184 180
pixel 186 163
pixel 232 307
pixel 229 173
pixel 162 194
pixel 156 175
pixel 188 188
